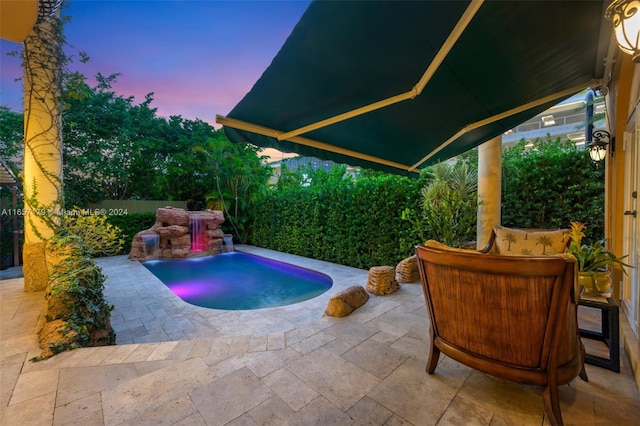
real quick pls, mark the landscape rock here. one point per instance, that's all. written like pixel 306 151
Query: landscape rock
pixel 407 270
pixel 346 301
pixel 382 280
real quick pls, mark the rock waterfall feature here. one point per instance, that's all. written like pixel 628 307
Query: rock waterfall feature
pixel 179 233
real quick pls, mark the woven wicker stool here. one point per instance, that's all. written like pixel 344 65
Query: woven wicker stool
pixel 382 280
pixel 407 270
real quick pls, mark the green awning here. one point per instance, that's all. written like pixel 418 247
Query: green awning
pixel 487 67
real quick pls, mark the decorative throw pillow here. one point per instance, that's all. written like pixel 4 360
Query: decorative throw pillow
pixel 519 242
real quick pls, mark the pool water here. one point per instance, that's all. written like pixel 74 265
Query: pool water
pixel 238 281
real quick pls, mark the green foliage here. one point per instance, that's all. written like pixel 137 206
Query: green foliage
pixel 551 185
pixel 448 205
pixel 11 134
pixel 333 217
pixel 100 237
pixel 130 224
pixel 360 222
pixel 234 174
pixel 594 257
pixel 117 149
pixel 75 295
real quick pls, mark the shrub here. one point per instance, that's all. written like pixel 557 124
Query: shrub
pixel 359 223
pixel 332 217
pixel 100 237
pixel 130 225
pixel 448 205
pixel 550 185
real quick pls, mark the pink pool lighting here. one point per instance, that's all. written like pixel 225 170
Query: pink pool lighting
pixel 199 238
pixel 238 281
pixel 194 288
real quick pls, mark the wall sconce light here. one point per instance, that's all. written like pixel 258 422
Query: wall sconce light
pixel 625 15
pixel 598 147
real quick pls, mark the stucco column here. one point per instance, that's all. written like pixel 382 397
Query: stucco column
pixel 42 177
pixel 489 188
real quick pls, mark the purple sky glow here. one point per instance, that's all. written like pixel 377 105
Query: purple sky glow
pixel 198 57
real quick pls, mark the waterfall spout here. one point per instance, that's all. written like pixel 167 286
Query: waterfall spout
pixel 228 242
pixel 198 229
pixel 151 244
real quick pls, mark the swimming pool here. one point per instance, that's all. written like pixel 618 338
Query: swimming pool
pixel 238 281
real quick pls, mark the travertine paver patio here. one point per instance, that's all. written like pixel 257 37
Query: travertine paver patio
pixel 178 364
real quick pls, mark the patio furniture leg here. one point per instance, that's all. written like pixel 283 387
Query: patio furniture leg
pixel 583 374
pixel 552 403
pixel 434 355
pixel 583 370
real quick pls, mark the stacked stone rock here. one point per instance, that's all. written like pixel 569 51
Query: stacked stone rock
pixel 407 270
pixel 382 280
pixel 172 229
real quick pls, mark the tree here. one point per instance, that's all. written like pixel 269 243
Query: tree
pixel 11 135
pixel 100 134
pixel 116 149
pixel 448 204
pixel 235 173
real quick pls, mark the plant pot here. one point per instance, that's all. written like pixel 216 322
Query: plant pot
pixel 603 282
pixel 595 283
pixel 587 281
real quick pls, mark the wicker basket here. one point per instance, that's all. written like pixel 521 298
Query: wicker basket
pixel 407 270
pixel 382 280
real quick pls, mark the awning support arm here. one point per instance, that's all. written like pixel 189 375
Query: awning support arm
pixel 505 114
pixel 416 90
pixel 261 130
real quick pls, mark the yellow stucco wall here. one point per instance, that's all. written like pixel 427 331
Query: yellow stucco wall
pixel 625 94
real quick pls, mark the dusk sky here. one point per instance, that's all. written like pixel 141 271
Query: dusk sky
pixel 199 57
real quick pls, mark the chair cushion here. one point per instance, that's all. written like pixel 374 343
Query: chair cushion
pixel 518 242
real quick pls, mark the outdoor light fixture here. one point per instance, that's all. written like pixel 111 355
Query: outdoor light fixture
pixel 625 15
pixel 598 147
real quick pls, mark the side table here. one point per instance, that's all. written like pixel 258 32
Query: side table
pixel 610 331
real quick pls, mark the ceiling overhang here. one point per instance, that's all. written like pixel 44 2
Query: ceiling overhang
pixel 17 18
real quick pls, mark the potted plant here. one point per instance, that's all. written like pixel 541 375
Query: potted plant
pixel 594 261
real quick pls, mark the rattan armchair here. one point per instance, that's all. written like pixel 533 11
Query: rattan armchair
pixel 513 317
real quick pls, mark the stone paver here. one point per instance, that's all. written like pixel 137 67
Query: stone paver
pixel 179 364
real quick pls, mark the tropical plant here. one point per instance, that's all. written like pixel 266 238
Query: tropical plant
pixel 449 204
pixel 233 174
pixel 593 257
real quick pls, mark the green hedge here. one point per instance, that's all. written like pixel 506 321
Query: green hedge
pixel 130 224
pixel 550 185
pixel 356 223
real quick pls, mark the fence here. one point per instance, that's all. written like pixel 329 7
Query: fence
pixel 134 206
